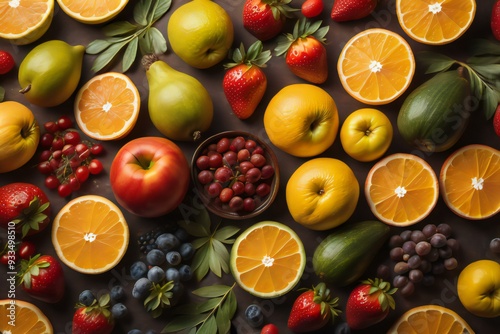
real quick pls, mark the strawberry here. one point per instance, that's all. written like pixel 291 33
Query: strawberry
pixel 305 52
pixel 270 329
pixel 42 277
pixel 265 18
pixel 94 319
pixel 244 83
pixel 496 121
pixel 313 309
pixel 349 10
pixel 312 8
pixel 26 205
pixel 369 303
pixel 495 20
pixel 7 62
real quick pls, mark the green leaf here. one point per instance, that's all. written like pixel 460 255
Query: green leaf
pixel 226 232
pixel 208 305
pixel 157 40
pixel 209 326
pixel 97 46
pixel 130 54
pixel 141 11
pixel 211 291
pixel 145 43
pixel 491 98
pixel 489 72
pixel 119 28
pixel 482 47
pixel 435 62
pixel 182 322
pixel 107 56
pixel 214 262
pixel 161 8
pixel 200 263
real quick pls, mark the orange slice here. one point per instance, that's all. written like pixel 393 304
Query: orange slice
pixel 92 11
pixel 470 181
pixel 90 234
pixel 24 22
pixel 267 259
pixel 430 319
pixel 20 317
pixel 376 66
pixel 435 22
pixel 401 189
pixel 107 106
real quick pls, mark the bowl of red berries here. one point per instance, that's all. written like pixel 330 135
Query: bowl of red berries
pixel 236 174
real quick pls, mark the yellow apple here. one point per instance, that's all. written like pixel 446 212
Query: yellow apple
pixel 366 134
pixel 322 193
pixel 302 120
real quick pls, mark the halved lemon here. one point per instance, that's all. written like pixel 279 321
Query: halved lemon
pixel 376 66
pixel 401 189
pixel 267 259
pixel 470 181
pixel 24 22
pixel 435 22
pixel 107 106
pixel 90 234
pixel 430 319
pixel 21 317
pixel 92 11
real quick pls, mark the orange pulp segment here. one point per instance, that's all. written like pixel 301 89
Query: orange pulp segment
pixel 92 11
pixel 26 318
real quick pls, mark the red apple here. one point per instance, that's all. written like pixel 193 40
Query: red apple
pixel 150 176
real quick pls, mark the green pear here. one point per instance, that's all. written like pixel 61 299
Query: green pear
pixel 50 72
pixel 179 105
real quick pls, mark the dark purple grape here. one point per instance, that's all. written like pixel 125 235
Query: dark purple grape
pixel 453 244
pixel 238 188
pixel 249 189
pixel 438 240
pixel 425 266
pixel 243 155
pixel 395 241
pixel 438 268
pixel 263 189
pixel 258 160
pixel 236 203
pixel 223 145
pixel 230 158
pixel 267 171
pixel 417 236
pixel 429 230
pixel 409 247
pixel 249 204
pixel 215 160
pixel 445 252
pixel 408 289
pixel 396 254
pixel 444 229
pixel 414 261
pixel 253 175
pixel 415 275
pixel 399 281
pixel 205 177
pixel 494 245
pixel 223 174
pixel 212 148
pixel 244 166
pixel 250 145
pixel 226 194
pixel 384 272
pixel 401 268
pixel 214 189
pixel 450 263
pixel 203 162
pixel 423 248
pixel 433 255
pixel 237 144
pixel 405 235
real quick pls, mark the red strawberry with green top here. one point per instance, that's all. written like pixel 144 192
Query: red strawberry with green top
pixel 369 303
pixel 42 277
pixel 7 62
pixel 495 20
pixel 312 8
pixel 265 18
pixel 94 319
pixel 349 10
pixel 305 52
pixel 244 82
pixel 26 205
pixel 313 309
pixel 496 121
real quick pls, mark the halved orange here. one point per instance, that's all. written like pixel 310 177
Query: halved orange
pixel 107 106
pixel 470 181
pixel 430 319
pixel 92 11
pixel 376 66
pixel 267 259
pixel 401 189
pixel 435 22
pixel 24 22
pixel 90 234
pixel 21 317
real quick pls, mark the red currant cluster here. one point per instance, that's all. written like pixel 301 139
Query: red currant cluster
pixel 66 159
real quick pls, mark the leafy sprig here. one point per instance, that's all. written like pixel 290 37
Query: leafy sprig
pixel 483 68
pixel 139 36
pixel 209 316
pixel 159 298
pixel 211 252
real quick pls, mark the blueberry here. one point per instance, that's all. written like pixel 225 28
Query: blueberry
pixel 86 297
pixel 185 273
pixel 253 313
pixel 117 293
pixel 141 288
pixel 181 234
pixel 186 250
pixel 138 269
pixel 167 241
pixel 156 274
pixel 155 257
pixel 134 331
pixel 177 292
pixel 173 258
pixel 172 274
pixel 119 310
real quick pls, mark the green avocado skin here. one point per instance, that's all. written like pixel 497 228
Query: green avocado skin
pixel 435 115
pixel 345 254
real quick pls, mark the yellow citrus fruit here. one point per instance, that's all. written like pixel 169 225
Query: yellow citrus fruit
pixel 24 22
pixel 435 22
pixel 470 180
pixel 376 66
pixel 401 189
pixel 267 259
pixel 20 317
pixel 94 11
pixel 322 193
pixel 107 106
pixel 302 120
pixel 90 234
pixel 430 319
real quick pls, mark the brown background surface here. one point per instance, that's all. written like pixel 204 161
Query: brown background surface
pixel 474 236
